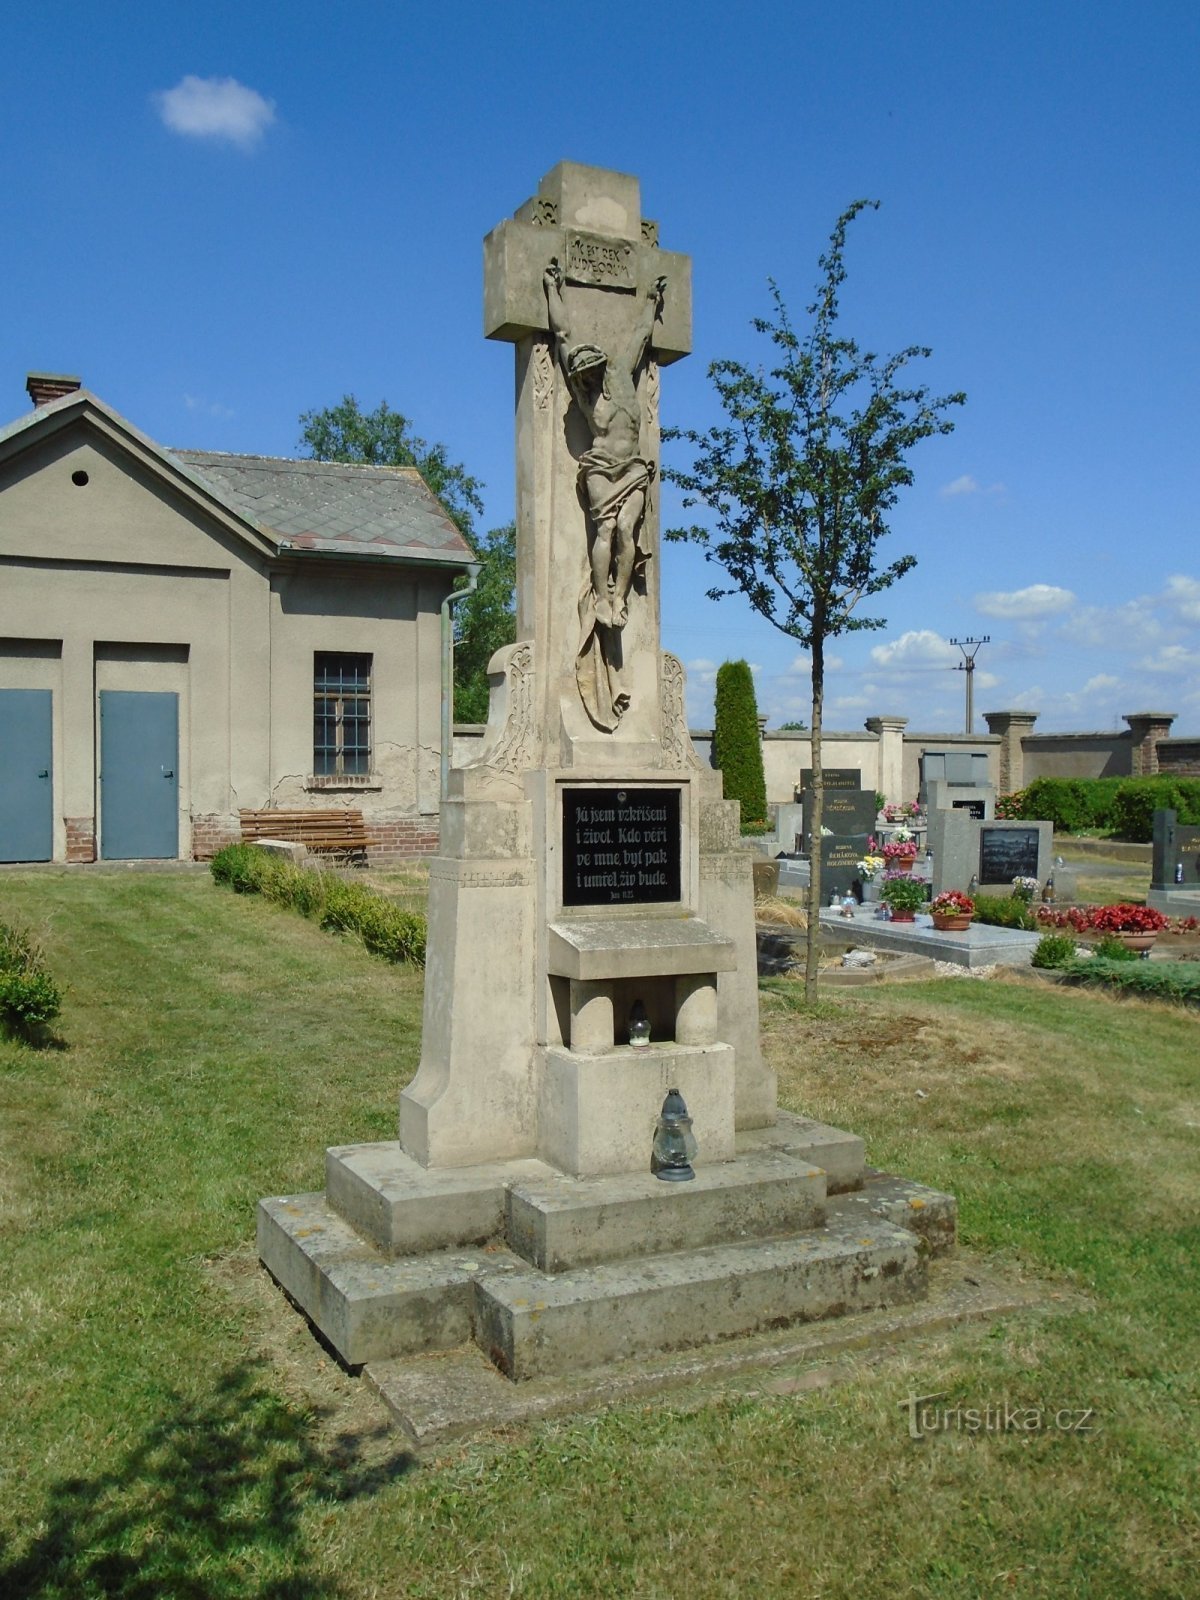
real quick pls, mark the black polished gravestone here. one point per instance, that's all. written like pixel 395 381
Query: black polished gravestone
pixel 848 810
pixel 848 815
pixel 620 846
pixel 1007 853
pixel 1175 854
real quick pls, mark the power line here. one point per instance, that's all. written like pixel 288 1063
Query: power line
pixel 970 649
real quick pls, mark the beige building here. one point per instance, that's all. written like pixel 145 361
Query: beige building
pixel 186 634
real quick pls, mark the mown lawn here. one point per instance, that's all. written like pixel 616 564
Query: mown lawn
pixel 167 1428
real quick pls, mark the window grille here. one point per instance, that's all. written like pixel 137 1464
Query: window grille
pixel 341 715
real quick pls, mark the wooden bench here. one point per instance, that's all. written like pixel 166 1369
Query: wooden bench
pixel 324 831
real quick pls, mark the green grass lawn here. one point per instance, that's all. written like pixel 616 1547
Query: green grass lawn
pixel 167 1427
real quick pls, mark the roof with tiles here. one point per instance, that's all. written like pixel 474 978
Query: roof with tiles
pixel 332 508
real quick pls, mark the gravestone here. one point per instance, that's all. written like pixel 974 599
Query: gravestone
pixel 848 818
pixel 590 875
pixel 1175 854
pixel 993 853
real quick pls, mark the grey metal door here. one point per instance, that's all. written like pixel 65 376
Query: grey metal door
pixel 26 783
pixel 139 788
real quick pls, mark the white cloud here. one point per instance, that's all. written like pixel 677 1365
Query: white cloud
pixel 968 485
pixel 215 108
pixel 1183 596
pixel 1102 681
pixel 802 663
pixel 1132 626
pixel 1172 658
pixel 986 680
pixel 1038 600
pixel 917 648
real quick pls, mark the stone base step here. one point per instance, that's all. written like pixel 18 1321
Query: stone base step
pixel 839 1154
pixel 366 1305
pixel 557 1223
pixel 532 1324
pixel 930 1214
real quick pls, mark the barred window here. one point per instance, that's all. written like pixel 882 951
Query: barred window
pixel 341 714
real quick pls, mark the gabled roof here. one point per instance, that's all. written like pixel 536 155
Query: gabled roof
pixel 333 508
pixel 280 506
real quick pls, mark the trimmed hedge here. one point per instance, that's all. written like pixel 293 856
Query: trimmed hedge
pixel 1124 806
pixel 338 906
pixel 737 746
pixel 29 996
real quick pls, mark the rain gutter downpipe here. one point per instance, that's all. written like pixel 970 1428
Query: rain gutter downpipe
pixel 474 568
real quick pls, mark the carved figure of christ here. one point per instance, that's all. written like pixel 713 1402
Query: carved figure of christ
pixel 614 478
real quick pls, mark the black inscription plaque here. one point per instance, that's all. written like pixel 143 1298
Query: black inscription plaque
pixel 974 808
pixel 1007 853
pixel 620 846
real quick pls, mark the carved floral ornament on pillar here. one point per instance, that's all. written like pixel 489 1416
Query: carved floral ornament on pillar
pixel 614 482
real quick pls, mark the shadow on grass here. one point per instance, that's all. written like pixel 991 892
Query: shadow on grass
pixel 207 1505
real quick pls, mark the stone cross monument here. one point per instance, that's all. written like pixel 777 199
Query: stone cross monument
pixel 588 864
pixel 590 883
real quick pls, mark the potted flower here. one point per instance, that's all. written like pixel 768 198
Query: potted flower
pixel 1137 927
pixel 902 894
pixel 869 869
pixel 1024 889
pixel 900 851
pixel 952 911
pixel 902 811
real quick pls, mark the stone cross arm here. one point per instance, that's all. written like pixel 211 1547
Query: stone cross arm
pixel 590 221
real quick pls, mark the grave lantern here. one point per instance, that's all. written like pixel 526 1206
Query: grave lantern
pixel 674 1142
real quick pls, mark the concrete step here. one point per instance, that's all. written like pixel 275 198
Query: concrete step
pixel 405 1209
pixel 930 1214
pixel 558 1223
pixel 366 1305
pixel 840 1155
pixel 533 1324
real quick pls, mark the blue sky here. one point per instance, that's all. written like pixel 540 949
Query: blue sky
pixel 215 257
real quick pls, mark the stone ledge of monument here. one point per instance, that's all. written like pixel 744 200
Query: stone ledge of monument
pixel 928 1212
pixel 536 1326
pixel 841 1155
pixel 558 1223
pixel 404 1209
pixel 365 1306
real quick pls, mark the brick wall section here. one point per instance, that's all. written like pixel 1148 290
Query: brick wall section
pixel 81 838
pixel 213 833
pixel 1179 758
pixel 400 839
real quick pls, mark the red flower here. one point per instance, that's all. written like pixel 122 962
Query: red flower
pixel 1126 918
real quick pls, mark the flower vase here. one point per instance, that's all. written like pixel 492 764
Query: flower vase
pixel 950 922
pixel 903 916
pixel 1137 941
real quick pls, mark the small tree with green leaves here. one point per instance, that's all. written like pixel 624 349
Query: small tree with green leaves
pixel 737 749
pixel 799 483
pixel 484 622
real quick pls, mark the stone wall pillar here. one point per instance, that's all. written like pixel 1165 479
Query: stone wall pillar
pixel 1147 728
pixel 1011 728
pixel 889 774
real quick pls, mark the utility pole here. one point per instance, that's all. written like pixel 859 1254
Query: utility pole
pixel 970 649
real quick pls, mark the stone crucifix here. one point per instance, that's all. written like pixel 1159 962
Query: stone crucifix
pixel 576 280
